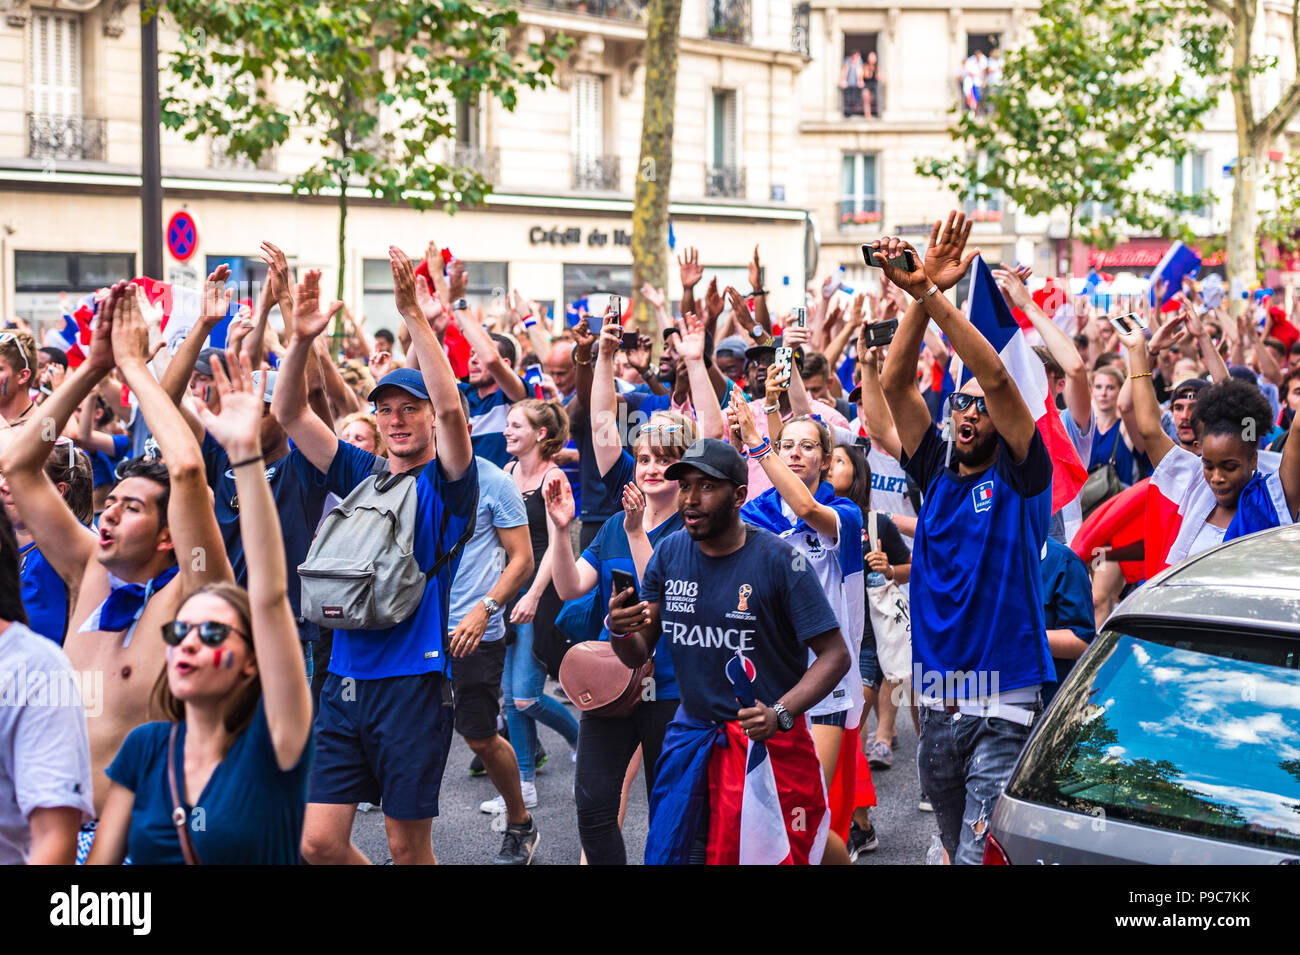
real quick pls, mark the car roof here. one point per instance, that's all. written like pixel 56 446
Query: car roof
pixel 1253 580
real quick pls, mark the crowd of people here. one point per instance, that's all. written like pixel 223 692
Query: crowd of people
pixel 729 558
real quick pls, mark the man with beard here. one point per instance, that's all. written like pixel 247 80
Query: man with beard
pixel 727 596
pixel 979 638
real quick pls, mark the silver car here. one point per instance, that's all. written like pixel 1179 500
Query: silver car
pixel 1176 738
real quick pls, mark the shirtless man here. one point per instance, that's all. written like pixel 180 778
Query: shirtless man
pixel 156 514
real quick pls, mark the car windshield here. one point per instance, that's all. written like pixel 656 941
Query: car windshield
pixel 1187 731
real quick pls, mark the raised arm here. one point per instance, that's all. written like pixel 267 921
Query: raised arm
pixel 872 408
pixel 759 294
pixel 216 302
pixel 605 437
pixel 196 537
pixel 455 453
pixel 481 342
pixel 1289 469
pixel 63 540
pixel 792 490
pixel 312 436
pixel 690 346
pixel 1146 408
pixel 691 273
pixel 286 693
pixel 1078 390
pixel 572 578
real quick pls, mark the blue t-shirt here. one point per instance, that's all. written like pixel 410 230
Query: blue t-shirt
pixel 299 491
pixel 1067 602
pixel 753 600
pixel 249 813
pixel 610 551
pixel 416 645
pixel 45 595
pixel 102 465
pixel 602 497
pixel 977 588
pixel 1131 467
pixel 499 505
pixel 487 423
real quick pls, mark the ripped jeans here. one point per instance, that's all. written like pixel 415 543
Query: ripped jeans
pixel 965 762
pixel 524 678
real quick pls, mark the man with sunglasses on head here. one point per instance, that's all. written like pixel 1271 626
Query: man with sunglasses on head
pixel 156 540
pixel 18 371
pixel 979 639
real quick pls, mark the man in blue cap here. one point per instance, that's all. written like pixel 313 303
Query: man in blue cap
pixel 383 731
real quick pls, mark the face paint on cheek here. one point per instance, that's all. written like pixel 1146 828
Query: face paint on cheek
pixel 216 658
pixel 207 393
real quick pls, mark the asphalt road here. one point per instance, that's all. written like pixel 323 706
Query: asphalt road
pixel 464 836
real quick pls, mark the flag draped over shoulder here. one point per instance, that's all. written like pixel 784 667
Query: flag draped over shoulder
pixel 988 311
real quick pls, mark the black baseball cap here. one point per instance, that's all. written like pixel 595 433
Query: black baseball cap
pixel 715 458
pixel 1188 389
pixel 203 365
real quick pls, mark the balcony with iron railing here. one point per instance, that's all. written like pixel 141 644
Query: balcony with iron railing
pixel 984 210
pixel 863 102
pixel 800 26
pixel 220 157
pixel 729 20
pixel 859 212
pixel 725 182
pixel 630 11
pixel 64 137
pixel 599 173
pixel 485 162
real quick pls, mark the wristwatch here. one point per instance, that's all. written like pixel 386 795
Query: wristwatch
pixel 784 718
pixel 493 608
pixel 460 304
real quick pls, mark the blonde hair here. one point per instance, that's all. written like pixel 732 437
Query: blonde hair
pixel 551 416
pixel 369 421
pixel 675 442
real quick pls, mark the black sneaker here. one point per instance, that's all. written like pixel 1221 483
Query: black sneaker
pixel 519 844
pixel 861 840
pixel 476 767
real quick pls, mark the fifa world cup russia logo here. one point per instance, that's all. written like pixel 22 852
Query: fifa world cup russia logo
pixel 745 591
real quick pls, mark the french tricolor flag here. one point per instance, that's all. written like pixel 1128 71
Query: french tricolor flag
pixel 75 331
pixel 1179 262
pixel 988 311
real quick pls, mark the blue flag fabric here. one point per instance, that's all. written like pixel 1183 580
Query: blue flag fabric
pixel 1178 263
pixel 122 607
pixel 680 798
pixel 1255 509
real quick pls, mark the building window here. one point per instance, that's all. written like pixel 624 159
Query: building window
pixel 986 204
pixel 468 150
pixel 981 71
pixel 725 177
pixel 592 168
pixel 596 282
pixel 41 277
pixel 860 191
pixel 859 82
pixel 1189 176
pixel 486 282
pixel 729 20
pixel 247 274
pixel 57 129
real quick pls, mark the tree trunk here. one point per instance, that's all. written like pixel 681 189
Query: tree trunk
pixel 1243 246
pixel 343 234
pixel 655 166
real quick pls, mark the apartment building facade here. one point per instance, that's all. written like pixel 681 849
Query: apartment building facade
pixel 557 226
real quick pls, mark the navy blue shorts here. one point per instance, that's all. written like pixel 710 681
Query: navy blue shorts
pixel 869 666
pixel 831 719
pixel 382 741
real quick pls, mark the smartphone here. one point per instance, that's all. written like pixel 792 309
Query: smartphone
pixel 629 341
pixel 1126 323
pixel 616 303
pixel 799 317
pixel 621 581
pixel 880 333
pixel 784 359
pixel 873 258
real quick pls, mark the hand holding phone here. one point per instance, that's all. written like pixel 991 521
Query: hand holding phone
pixel 878 334
pixel 784 359
pixel 873 258
pixel 621 580
pixel 799 316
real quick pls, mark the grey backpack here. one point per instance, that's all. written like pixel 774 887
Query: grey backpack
pixel 361 572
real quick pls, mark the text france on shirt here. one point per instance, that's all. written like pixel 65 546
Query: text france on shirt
pixel 679 598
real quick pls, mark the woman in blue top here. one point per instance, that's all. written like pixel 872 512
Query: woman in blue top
pixel 235 693
pixel 45 593
pixel 625 542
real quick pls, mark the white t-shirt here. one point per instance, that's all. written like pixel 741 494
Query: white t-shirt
pixel 1207 536
pixel 44 747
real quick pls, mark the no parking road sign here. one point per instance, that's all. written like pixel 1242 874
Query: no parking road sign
pixel 182 236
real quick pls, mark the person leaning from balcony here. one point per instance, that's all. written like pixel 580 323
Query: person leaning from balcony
pixel 234 692
pixel 871 86
pixel 852 84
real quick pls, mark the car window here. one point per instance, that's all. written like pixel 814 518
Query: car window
pixel 1204 741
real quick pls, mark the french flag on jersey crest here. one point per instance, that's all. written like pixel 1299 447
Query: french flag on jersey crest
pixel 988 311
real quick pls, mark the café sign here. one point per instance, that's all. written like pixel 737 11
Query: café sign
pixel 572 235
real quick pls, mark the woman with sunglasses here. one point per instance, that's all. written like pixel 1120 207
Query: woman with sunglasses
pixel 826 532
pixel 234 747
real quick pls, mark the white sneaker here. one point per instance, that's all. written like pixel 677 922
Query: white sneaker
pixel 497 806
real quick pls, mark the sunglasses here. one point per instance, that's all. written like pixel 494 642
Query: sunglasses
pixel 211 633
pixel 665 428
pixel 10 337
pixel 961 401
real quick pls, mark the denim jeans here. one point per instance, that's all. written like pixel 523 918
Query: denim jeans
pixel 964 763
pixel 525 679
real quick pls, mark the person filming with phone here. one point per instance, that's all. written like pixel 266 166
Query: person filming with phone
pixel 977 615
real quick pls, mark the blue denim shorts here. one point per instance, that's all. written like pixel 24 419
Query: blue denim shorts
pixel 869 666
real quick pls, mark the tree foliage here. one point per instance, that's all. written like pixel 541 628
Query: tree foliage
pixel 370 84
pixel 1082 110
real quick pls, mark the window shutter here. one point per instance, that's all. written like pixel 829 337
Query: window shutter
pixel 56 64
pixel 729 128
pixel 588 116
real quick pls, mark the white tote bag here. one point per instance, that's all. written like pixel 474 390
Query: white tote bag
pixel 891 619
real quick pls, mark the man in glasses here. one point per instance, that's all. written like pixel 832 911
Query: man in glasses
pixel 979 637
pixel 18 370
pixel 157 538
